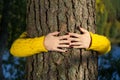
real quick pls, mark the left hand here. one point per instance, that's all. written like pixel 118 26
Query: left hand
pixel 80 40
pixel 53 42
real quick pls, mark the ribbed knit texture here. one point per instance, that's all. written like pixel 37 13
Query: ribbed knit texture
pixel 99 43
pixel 23 47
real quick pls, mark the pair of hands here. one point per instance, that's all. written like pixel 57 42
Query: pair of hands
pixel 57 43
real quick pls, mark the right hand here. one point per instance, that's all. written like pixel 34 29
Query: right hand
pixel 80 40
pixel 56 43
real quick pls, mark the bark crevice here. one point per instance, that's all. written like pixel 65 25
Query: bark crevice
pixel 45 16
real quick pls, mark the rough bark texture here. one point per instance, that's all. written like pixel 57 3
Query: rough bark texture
pixel 45 16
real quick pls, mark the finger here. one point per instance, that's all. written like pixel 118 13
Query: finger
pixel 74 39
pixel 78 46
pixel 83 30
pixel 74 34
pixel 60 50
pixel 75 43
pixel 64 37
pixel 63 45
pixel 54 33
pixel 64 41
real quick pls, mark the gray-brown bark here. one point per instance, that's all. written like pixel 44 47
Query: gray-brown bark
pixel 45 16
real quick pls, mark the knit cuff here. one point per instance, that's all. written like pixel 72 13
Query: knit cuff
pixel 99 43
pixel 41 43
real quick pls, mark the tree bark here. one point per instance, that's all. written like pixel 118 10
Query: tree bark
pixel 45 16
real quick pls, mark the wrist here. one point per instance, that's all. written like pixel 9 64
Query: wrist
pixel 44 43
pixel 90 40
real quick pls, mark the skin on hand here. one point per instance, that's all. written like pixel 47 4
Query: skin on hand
pixel 80 40
pixel 56 43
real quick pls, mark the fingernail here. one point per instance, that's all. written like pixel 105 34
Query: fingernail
pixel 73 41
pixel 66 51
pixel 67 43
pixel 71 46
pixel 66 33
pixel 78 27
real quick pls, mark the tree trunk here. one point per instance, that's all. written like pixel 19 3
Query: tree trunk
pixel 45 16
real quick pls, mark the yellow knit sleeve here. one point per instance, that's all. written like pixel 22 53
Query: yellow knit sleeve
pixel 23 47
pixel 99 43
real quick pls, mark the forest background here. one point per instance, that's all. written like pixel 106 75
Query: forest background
pixel 13 23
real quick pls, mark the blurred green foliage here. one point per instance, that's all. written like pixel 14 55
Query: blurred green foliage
pixel 108 24
pixel 108 19
pixel 1 7
pixel 16 18
pixel 13 14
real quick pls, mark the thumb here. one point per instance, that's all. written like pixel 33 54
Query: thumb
pixel 54 33
pixel 83 30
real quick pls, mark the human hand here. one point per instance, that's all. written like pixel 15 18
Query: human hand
pixel 56 43
pixel 80 40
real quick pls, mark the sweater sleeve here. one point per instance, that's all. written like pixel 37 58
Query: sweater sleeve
pixel 99 43
pixel 23 47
